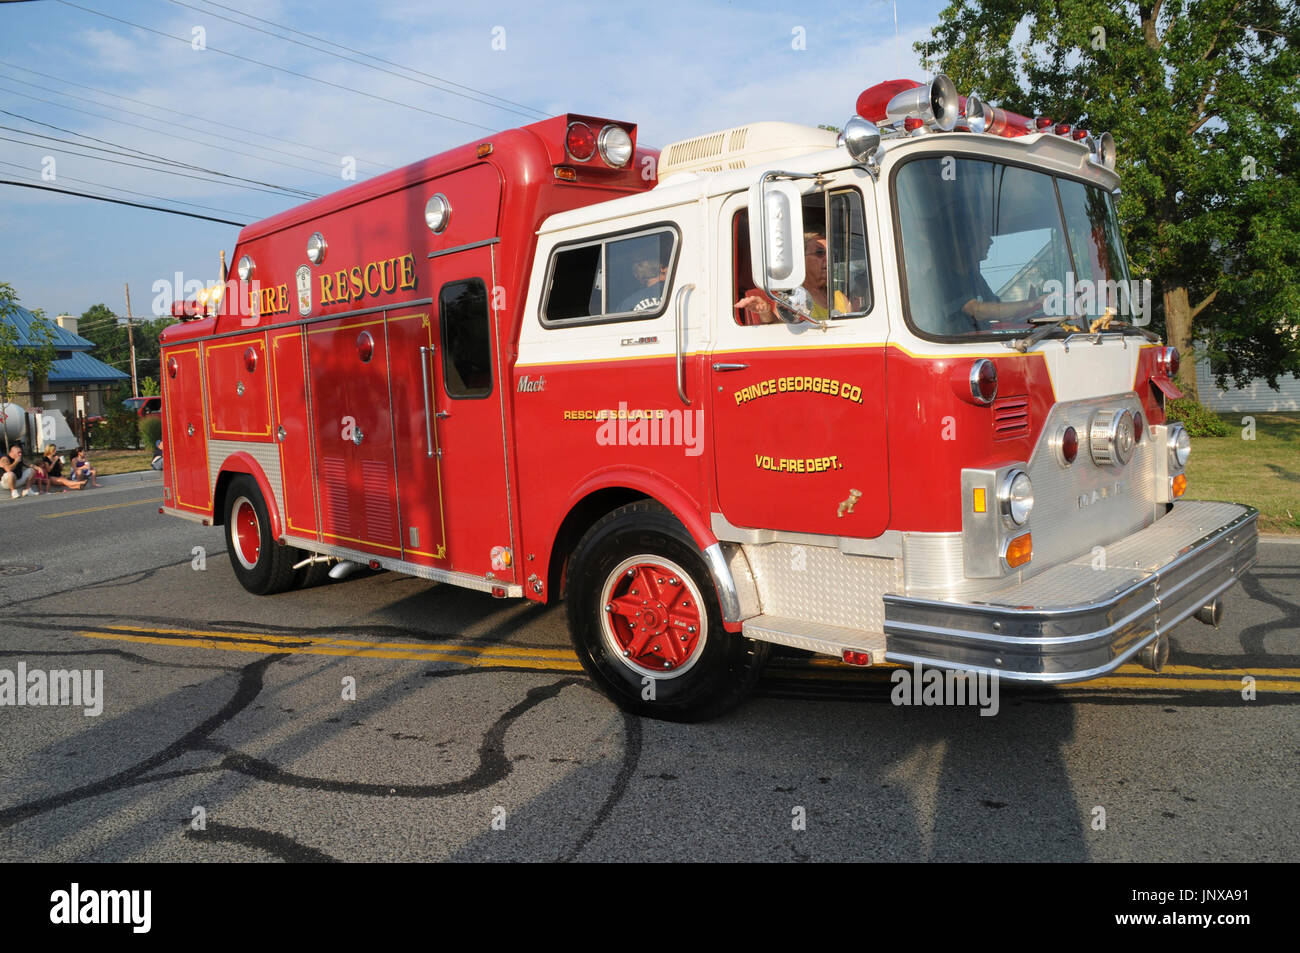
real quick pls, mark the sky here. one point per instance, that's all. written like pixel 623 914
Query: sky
pixel 225 98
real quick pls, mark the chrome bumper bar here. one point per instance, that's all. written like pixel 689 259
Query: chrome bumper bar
pixel 1079 620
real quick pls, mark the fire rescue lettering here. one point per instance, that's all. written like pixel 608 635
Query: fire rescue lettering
pixel 384 275
pixel 273 300
pixel 794 385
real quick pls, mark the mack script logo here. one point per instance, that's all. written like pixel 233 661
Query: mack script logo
pixel 1101 493
pixel 134 907
pixel 529 386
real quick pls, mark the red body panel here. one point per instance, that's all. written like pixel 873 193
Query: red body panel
pixel 933 433
pixel 241 399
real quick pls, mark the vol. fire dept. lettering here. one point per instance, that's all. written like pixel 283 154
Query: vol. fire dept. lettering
pixel 797 464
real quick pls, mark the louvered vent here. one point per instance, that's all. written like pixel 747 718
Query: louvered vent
pixel 1010 418
pixel 743 147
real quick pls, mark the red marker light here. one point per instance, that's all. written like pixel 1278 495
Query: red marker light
pixel 250 359
pixel 1168 361
pixel 1070 444
pixel 1062 129
pixel 856 658
pixel 984 381
pixel 1041 123
pixel 580 141
pixel 913 122
pixel 1137 428
pixel 1079 135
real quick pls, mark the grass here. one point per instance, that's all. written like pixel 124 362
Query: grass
pixel 107 462
pixel 1263 472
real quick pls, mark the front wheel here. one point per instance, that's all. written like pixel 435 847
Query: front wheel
pixel 644 619
pixel 261 566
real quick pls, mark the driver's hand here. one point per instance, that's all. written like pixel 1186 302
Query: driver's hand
pixel 754 303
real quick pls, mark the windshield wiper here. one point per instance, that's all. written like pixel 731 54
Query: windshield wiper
pixel 1106 323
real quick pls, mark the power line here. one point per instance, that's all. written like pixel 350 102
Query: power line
pixel 105 198
pixel 137 154
pixel 333 153
pixel 349 59
pixel 147 195
pixel 409 69
pixel 281 69
pixel 151 156
pixel 133 165
pixel 223 146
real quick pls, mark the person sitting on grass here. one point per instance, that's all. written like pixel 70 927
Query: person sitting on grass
pixel 82 470
pixel 52 464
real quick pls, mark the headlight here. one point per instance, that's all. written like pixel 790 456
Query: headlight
pixel 615 146
pixel 1016 496
pixel 1180 446
pixel 245 268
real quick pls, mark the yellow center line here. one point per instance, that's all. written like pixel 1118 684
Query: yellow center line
pixel 96 509
pixel 298 640
pixel 1285 680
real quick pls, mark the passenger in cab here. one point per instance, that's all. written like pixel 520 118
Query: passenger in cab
pixel 760 309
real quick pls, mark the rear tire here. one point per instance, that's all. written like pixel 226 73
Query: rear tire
pixel 261 566
pixel 644 619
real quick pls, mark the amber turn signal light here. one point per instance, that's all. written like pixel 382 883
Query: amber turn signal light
pixel 1179 485
pixel 1020 550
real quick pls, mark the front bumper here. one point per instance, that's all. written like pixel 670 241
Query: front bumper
pixel 1087 617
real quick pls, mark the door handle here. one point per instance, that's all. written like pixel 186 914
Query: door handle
pixel 677 345
pixel 428 420
pixel 729 367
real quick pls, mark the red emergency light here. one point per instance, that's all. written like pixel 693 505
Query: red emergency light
pixel 873 105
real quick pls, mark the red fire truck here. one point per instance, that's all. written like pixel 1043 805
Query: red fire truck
pixel 874 395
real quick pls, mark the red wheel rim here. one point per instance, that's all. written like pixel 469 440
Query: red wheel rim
pixel 245 532
pixel 653 621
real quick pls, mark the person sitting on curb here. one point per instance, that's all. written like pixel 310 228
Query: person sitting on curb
pixel 82 470
pixel 53 466
pixel 16 473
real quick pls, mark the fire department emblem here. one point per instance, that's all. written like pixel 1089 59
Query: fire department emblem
pixel 303 276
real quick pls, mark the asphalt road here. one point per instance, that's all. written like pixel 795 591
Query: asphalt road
pixel 225 734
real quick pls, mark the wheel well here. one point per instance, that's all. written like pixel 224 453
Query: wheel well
pixel 587 512
pixel 219 496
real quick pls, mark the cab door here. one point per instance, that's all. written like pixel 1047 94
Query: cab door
pixel 798 411
pixel 470 408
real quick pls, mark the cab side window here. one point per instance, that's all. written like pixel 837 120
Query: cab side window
pixel 837 282
pixel 615 278
pixel 466 339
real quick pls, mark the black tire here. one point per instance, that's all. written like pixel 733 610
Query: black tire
pixel 261 566
pixel 663 670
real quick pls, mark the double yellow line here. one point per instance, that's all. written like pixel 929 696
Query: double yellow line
pixel 96 509
pixel 1130 677
pixel 262 643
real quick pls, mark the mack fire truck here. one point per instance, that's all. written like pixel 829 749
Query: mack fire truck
pixel 883 395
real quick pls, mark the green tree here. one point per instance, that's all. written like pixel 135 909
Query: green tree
pixel 1203 99
pixel 20 363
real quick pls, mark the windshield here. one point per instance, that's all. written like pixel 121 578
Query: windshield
pixel 991 249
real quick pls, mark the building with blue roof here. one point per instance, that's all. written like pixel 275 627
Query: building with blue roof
pixel 73 373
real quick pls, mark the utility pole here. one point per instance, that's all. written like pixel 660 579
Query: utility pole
pixel 130 337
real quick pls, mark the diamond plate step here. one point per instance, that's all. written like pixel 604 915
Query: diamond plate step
pixel 815 637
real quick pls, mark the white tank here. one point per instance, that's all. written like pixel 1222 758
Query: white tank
pixel 11 421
